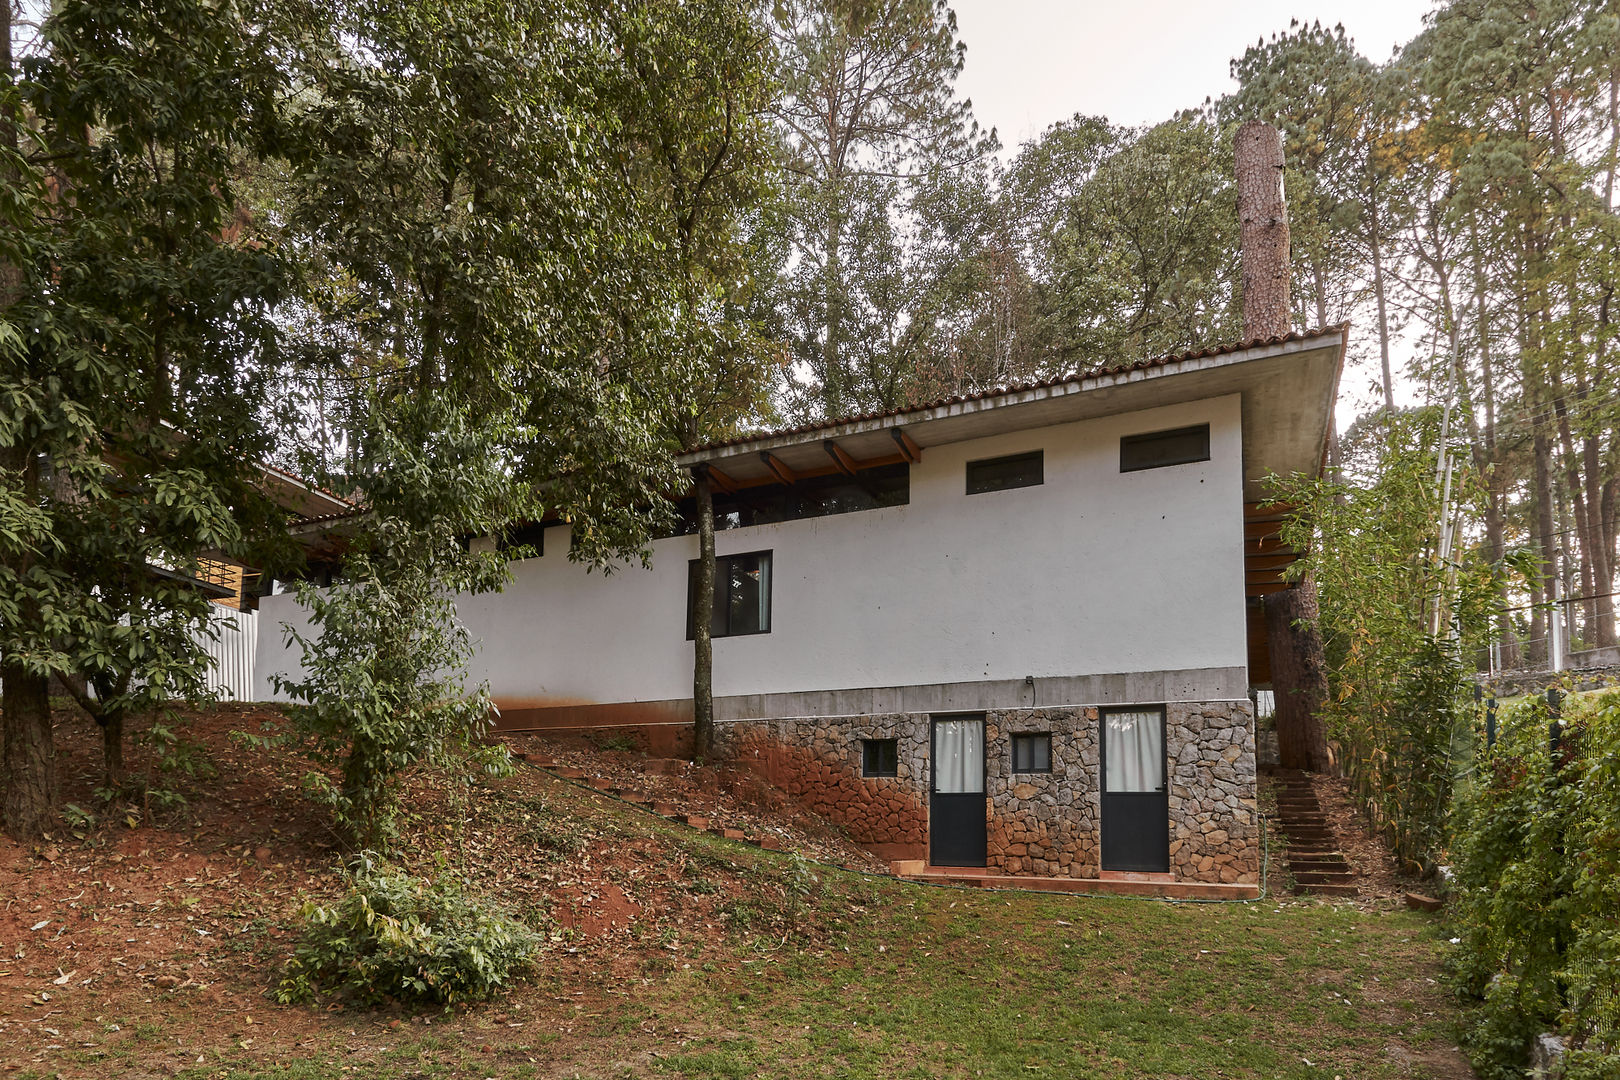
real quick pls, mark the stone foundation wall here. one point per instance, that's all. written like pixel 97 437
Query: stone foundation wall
pixel 1214 819
pixel 1045 824
pixel 818 762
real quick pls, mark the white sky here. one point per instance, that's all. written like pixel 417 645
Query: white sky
pixel 1031 63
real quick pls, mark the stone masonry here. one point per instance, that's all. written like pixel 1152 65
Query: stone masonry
pixel 1044 824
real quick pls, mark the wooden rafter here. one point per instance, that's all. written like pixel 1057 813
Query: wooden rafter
pixel 779 468
pixel 846 464
pixel 721 480
pixel 908 448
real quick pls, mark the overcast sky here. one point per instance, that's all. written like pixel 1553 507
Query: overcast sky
pixel 1031 63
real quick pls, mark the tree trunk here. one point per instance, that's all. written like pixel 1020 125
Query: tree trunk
pixel 832 378
pixel 112 751
pixel 702 616
pixel 1546 531
pixel 1298 676
pixel 1263 224
pixel 1378 292
pixel 1298 661
pixel 29 754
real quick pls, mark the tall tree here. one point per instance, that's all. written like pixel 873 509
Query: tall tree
pixel 526 218
pixel 1143 262
pixel 136 327
pixel 868 109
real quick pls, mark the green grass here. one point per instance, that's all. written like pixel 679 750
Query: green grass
pixel 919 982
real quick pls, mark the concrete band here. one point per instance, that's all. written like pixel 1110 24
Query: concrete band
pixel 1120 688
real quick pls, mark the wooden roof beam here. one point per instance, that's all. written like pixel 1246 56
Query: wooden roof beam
pixel 908 449
pixel 778 468
pixel 718 478
pixel 846 464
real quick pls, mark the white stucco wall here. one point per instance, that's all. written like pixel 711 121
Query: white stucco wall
pixel 1094 571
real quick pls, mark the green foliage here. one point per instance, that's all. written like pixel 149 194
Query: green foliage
pixel 868 117
pixel 1144 255
pixel 134 330
pixel 1395 621
pixel 392 936
pixel 1537 859
pixel 381 688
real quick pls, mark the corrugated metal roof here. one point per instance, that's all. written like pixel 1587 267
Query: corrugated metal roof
pixel 1017 388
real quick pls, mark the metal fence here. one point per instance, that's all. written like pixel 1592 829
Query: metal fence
pixel 231 646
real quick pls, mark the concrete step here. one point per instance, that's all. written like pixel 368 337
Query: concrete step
pixel 570 773
pixel 1319 866
pixel 600 783
pixel 1328 890
pixel 697 821
pixel 1311 877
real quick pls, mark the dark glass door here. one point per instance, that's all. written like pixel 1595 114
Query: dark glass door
pixel 1135 797
pixel 956 812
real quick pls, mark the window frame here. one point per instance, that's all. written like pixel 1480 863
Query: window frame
pixel 1037 456
pixel 721 574
pixel 1031 735
pixel 877 772
pixel 1126 442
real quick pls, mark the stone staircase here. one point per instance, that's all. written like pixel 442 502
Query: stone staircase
pixel 667 810
pixel 1313 851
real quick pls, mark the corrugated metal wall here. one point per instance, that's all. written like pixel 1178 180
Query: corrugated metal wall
pixel 231 673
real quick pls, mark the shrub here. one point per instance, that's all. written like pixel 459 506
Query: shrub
pixel 1537 854
pixel 394 936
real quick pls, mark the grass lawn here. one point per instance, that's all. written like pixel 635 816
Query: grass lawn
pixel 914 981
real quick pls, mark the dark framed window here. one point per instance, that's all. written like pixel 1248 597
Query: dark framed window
pixel 1032 752
pixel 812 496
pixel 1157 449
pixel 742 595
pixel 519 540
pixel 999 474
pixel 880 757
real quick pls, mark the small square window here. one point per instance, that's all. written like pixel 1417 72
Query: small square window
pixel 999 474
pixel 742 595
pixel 1032 753
pixel 1157 449
pixel 880 757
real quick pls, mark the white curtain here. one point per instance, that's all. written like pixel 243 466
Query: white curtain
pixel 1135 751
pixel 958 756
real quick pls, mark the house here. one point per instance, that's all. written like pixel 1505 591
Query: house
pixel 1014 630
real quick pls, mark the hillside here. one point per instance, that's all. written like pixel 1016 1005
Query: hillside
pixel 148 951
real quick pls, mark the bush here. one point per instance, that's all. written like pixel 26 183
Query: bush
pixel 1537 853
pixel 392 936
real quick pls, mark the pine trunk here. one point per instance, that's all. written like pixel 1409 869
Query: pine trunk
pixel 1298 661
pixel 1298 677
pixel 702 616
pixel 1263 225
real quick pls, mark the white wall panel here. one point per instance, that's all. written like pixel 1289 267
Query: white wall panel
pixel 1093 571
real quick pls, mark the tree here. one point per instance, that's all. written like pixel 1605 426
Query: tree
pixel 135 324
pixel 382 686
pixel 868 110
pixel 1339 115
pixel 1143 260
pixel 524 219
